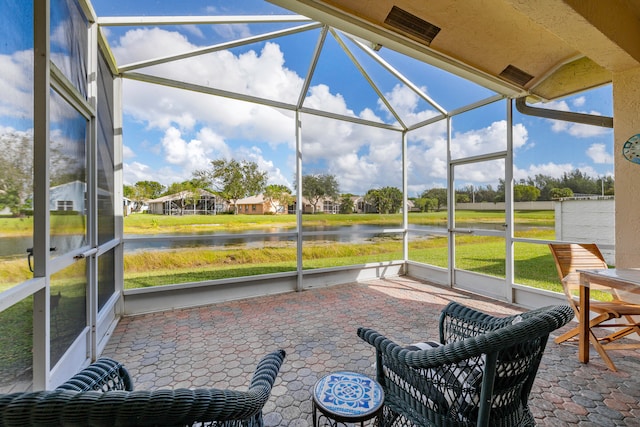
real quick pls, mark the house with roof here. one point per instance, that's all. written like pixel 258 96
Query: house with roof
pixel 259 205
pixel 196 202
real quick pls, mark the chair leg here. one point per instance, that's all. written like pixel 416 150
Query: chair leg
pixel 601 351
pixel 575 331
pixel 567 335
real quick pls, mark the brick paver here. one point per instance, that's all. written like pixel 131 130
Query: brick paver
pixel 219 345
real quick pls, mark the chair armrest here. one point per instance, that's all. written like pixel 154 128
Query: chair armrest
pixel 451 353
pixel 458 322
pixel 102 375
pixel 165 407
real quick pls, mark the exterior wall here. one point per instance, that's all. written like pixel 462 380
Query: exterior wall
pixel 588 221
pixel 253 208
pixel 519 206
pixel 70 192
pixel 156 208
pixel 626 110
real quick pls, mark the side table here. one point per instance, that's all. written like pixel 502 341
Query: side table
pixel 346 397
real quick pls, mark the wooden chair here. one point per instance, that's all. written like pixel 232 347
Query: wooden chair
pixel 571 257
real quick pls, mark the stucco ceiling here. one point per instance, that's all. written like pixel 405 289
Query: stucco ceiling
pixel 547 48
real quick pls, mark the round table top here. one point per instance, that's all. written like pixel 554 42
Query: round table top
pixel 348 395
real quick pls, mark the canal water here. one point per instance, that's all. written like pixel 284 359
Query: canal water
pixel 356 233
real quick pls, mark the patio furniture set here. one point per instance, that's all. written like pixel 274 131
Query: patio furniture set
pixel 480 373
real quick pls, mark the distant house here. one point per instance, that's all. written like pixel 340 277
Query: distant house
pixel 324 205
pixel 362 206
pixel 258 205
pixel 411 207
pixel 184 203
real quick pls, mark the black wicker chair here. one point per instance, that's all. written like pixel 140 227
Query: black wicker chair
pixel 101 395
pixel 481 374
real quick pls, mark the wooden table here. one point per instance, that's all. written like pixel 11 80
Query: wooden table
pixel 624 279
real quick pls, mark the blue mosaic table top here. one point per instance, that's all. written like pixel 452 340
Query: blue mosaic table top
pixel 348 394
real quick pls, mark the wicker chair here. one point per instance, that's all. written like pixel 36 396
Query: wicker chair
pixel 480 375
pixel 101 395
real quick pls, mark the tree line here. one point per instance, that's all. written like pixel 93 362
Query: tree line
pixel 538 188
pixel 233 180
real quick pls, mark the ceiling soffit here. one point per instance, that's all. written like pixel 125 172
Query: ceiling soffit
pixel 563 46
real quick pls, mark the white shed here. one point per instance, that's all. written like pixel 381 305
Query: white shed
pixel 588 220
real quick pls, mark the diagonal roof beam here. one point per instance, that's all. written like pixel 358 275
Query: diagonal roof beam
pixel 368 78
pixel 249 98
pixel 129 21
pixel 398 75
pixel 312 66
pixel 218 47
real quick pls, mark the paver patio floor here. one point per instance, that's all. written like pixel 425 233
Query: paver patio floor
pixel 219 345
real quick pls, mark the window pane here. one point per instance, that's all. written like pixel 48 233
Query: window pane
pixel 481 254
pixel 69 42
pixel 106 279
pixel 16 343
pixel 350 248
pixel 480 131
pixel 482 177
pixel 16 140
pixel 352 192
pixel 68 307
pixel 534 266
pixel 429 249
pixel 106 223
pixel 68 177
pixel 170 261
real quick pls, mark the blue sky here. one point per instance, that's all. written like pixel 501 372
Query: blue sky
pixel 169 133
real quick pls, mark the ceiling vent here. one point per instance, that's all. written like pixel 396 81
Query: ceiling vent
pixel 516 75
pixel 411 25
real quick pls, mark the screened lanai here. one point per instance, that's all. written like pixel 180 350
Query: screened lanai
pixel 103 95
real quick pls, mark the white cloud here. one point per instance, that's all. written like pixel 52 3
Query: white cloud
pixel 405 102
pixel 135 45
pixel 136 171
pixel 194 30
pixel 16 85
pixel 555 170
pixel 275 174
pixel 232 31
pixel 492 138
pixel 579 101
pixel 195 154
pixel 262 75
pixel 575 129
pixel 599 154
pixel 579 130
pixel 127 152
